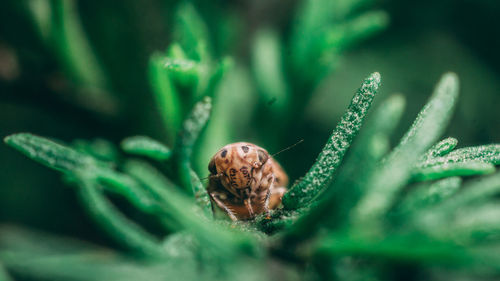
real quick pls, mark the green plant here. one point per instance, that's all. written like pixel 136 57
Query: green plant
pixel 367 213
pixel 364 210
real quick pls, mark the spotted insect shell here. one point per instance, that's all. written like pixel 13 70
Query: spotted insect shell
pixel 245 181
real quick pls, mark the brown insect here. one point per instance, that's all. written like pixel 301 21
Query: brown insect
pixel 245 181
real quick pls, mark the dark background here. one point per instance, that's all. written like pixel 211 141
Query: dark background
pixel 424 40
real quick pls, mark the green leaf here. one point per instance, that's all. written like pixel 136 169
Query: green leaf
pixel 41 13
pixel 146 146
pixel 412 248
pixel 179 208
pixel 98 148
pixel 167 98
pixel 200 193
pixel 321 173
pixel 280 219
pixel 322 30
pixel 441 148
pixel 70 40
pixel 125 186
pixel 50 154
pixel 185 72
pixel 215 76
pixel 311 18
pixel 192 33
pixel 396 169
pixel 60 28
pixel 336 202
pixel 175 51
pixel 60 258
pixel 234 97
pixel 111 220
pixel 484 153
pixel 70 161
pixel 428 194
pixel 438 171
pixel 436 113
pixel 93 176
pixel 268 69
pixel 153 181
pixel 186 139
pixel 351 32
pixel 467 217
pixel 475 191
pixel 466 161
pixel 474 224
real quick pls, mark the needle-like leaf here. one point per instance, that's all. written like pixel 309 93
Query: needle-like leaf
pixel 396 169
pixel 321 172
pixel 146 146
pixel 167 98
pixel 428 194
pixel 441 148
pixel 50 153
pixel 186 139
pixel 335 203
pixel 111 220
pixel 185 215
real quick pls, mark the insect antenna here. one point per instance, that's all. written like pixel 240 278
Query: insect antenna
pixel 287 148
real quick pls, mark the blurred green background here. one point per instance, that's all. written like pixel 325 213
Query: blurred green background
pixel 38 93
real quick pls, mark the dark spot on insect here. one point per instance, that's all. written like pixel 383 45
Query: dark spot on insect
pixel 223 153
pixel 212 168
pixel 246 174
pixel 244 171
pixel 263 156
pixel 232 177
pixel 245 148
pixel 232 172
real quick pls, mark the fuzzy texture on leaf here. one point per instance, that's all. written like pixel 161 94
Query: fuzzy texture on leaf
pixel 321 173
pixel 186 139
pixel 429 224
pixel 396 169
pixel 466 161
pixel 146 146
pixel 49 153
pixel 335 203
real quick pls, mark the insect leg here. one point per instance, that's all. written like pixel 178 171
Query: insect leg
pixel 223 206
pixel 248 205
pixel 276 195
pixel 266 205
pixel 268 196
